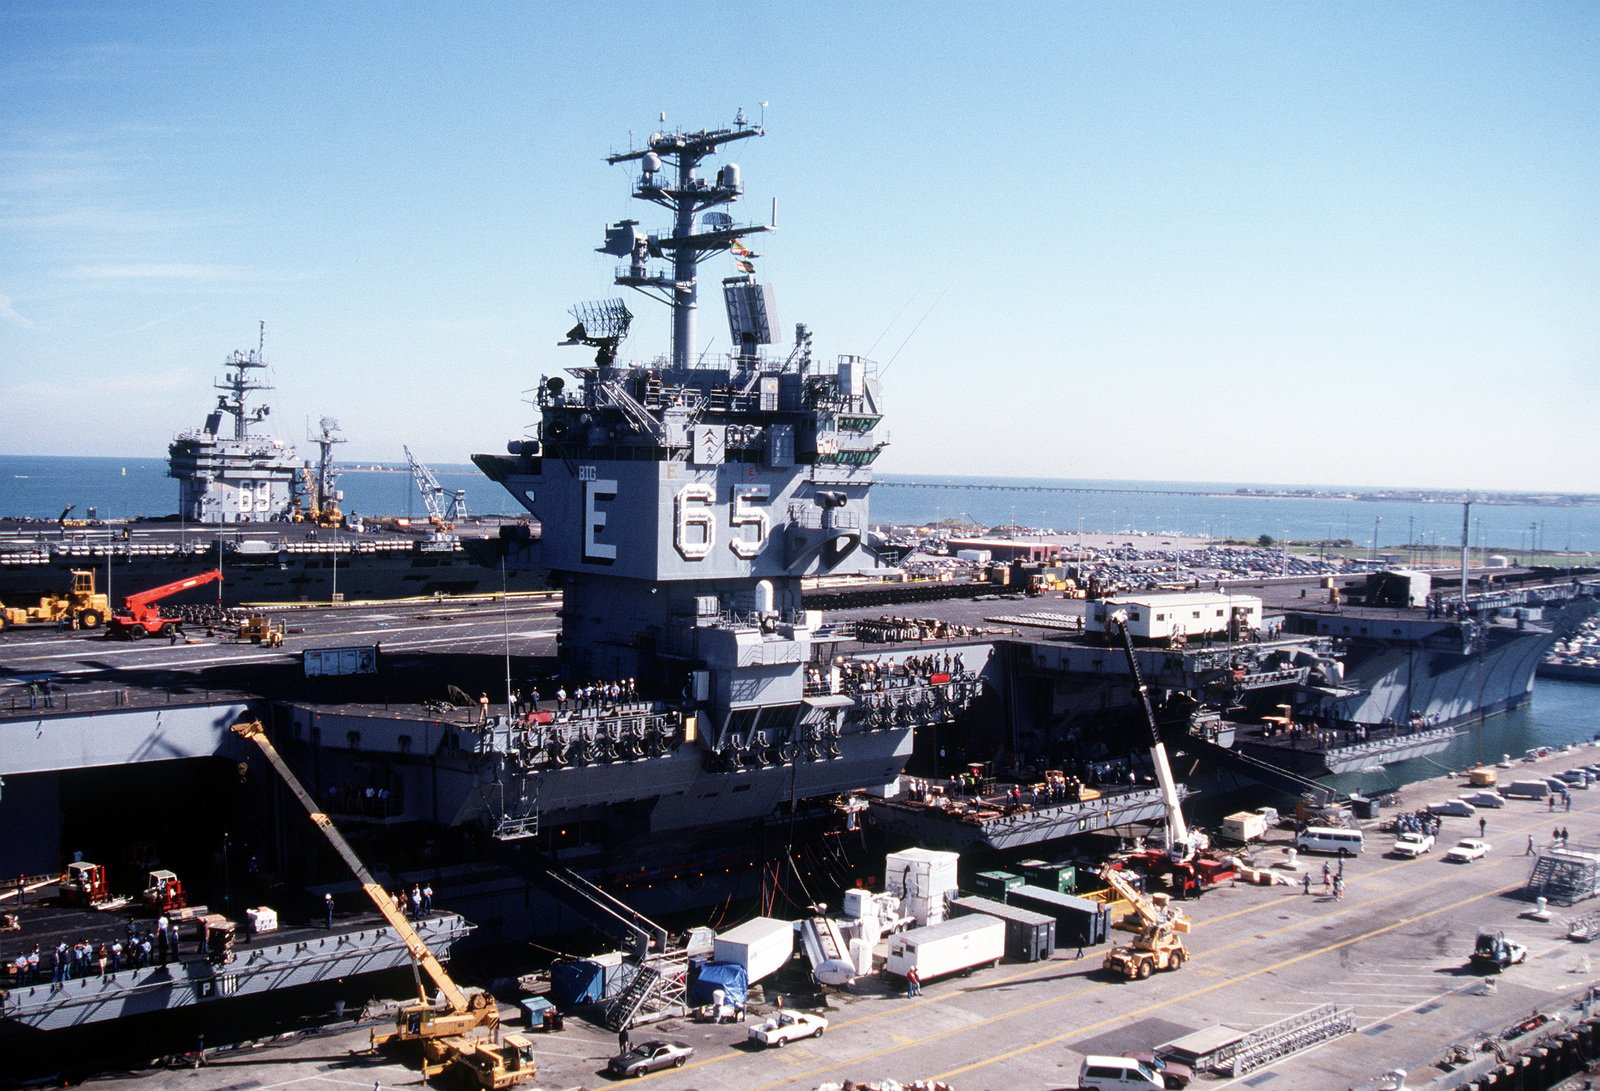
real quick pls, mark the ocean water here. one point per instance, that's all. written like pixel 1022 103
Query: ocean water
pixel 41 487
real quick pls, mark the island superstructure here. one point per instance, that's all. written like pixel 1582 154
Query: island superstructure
pixel 684 499
pixel 233 475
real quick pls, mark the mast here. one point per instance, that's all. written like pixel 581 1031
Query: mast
pixel 668 177
pixel 237 385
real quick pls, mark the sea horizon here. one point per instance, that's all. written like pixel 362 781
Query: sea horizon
pixel 43 487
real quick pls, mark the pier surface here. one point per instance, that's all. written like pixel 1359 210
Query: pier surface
pixel 1394 950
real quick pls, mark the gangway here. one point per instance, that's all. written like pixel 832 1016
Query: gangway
pixel 660 980
pixel 1564 875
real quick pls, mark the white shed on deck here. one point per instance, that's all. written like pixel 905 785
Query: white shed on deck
pixel 1192 613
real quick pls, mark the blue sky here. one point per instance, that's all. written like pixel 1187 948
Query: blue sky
pixel 1345 243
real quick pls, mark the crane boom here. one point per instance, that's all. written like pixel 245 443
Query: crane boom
pixel 252 730
pixel 1177 828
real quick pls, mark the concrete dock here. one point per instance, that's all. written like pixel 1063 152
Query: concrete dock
pixel 1394 951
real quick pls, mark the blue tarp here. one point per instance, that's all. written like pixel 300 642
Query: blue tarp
pixel 727 976
pixel 576 981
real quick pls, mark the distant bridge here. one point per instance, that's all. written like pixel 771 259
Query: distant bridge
pixel 886 484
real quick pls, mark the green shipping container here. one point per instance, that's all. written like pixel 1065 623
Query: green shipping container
pixel 1060 877
pixel 994 884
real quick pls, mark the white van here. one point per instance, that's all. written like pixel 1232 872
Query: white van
pixel 1117 1073
pixel 1329 840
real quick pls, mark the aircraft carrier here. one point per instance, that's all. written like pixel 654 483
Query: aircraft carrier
pixel 701 736
pixel 269 520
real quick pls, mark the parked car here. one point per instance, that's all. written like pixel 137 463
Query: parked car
pixel 1492 800
pixel 650 1056
pixel 1578 778
pixel 1458 807
pixel 1467 850
pixel 1098 1073
pixel 1413 844
pixel 1176 1076
pixel 788 1026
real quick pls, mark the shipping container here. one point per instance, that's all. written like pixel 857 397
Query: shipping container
pixel 761 946
pixel 1059 876
pixel 1079 921
pixel 1244 826
pixel 994 884
pixel 1030 936
pixel 947 948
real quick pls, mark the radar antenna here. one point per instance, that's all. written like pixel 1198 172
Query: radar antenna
pixel 603 325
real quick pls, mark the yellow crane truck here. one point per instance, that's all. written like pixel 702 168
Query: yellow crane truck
pixel 463 1035
pixel 1157 945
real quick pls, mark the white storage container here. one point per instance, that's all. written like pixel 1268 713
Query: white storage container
pixel 949 947
pixel 761 946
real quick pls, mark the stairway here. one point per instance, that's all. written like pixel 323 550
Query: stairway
pixel 1564 877
pixel 660 986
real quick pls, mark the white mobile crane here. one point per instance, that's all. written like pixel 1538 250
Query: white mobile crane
pixel 452 1036
pixel 1184 858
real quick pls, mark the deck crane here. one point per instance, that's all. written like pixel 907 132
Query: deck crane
pixel 445 518
pixel 447 1034
pixel 1183 859
pixel 141 617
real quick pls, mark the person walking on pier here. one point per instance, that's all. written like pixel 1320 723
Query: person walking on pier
pixel 1305 882
pixel 624 1041
pixel 913 983
pixel 327 905
pixel 1483 825
pixel 1530 846
pixel 483 708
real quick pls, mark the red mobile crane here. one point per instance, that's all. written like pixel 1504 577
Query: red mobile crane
pixel 141 617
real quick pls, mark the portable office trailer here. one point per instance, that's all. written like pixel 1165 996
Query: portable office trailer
pixel 1079 921
pixel 1030 936
pixel 1188 613
pixel 948 947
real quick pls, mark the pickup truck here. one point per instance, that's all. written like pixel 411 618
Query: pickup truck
pixel 788 1026
pixel 1413 844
